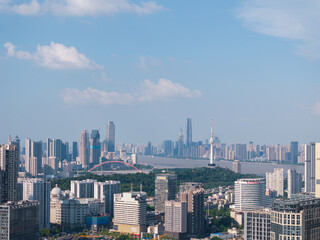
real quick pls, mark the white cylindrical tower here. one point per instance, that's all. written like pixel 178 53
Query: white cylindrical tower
pixel 211 163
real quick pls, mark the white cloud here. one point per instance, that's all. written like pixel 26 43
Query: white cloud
pixel 146 62
pixel 316 108
pixel 54 56
pixel 298 20
pixel 79 7
pixel 164 90
pixel 91 96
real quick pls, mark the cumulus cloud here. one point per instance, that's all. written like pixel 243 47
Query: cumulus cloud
pixel 316 108
pixel 164 90
pixel 79 7
pixel 146 62
pixel 290 19
pixel 54 56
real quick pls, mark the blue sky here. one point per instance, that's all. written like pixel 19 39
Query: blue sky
pixel 251 65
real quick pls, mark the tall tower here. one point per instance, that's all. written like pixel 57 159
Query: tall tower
pixel 211 163
pixel 111 136
pixel 84 148
pixel 8 173
pixel 165 189
pixel 189 133
pixel 95 148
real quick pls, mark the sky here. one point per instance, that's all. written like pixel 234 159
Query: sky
pixel 250 65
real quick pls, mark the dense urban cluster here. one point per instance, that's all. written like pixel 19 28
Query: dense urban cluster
pixel 207 203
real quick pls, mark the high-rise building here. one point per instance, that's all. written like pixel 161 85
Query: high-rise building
pixel 130 212
pixel 309 167
pixel 111 136
pixel 211 141
pixel 19 220
pixel 189 133
pixel 295 218
pixel 257 224
pixel 48 147
pixel 236 166
pixel 250 194
pixel 16 142
pixel 294 182
pixel 195 210
pixel 74 151
pixel 83 189
pixel 241 151
pixel 275 181
pixel 106 190
pixel 294 152
pixel 180 145
pixel 50 165
pixel 176 218
pixel 56 149
pixel 168 148
pixel 165 189
pixel 38 189
pixel 84 149
pixel 33 157
pixel 95 147
pixel 8 172
pixel 317 169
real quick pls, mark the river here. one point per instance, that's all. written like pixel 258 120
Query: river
pixel 246 167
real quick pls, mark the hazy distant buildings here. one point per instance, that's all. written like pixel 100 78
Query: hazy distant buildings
pixel 95 147
pixel 33 157
pixel 165 189
pixel 84 149
pixel 274 181
pixel 130 211
pixel 236 166
pixel 8 172
pixel 168 148
pixel 75 152
pixel 294 182
pixel 294 152
pixel 250 194
pixel 111 137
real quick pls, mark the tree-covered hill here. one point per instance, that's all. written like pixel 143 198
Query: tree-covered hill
pixel 209 177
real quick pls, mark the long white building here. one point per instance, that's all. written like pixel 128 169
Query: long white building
pixel 38 189
pixel 105 191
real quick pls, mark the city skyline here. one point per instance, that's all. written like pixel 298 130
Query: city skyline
pixel 251 65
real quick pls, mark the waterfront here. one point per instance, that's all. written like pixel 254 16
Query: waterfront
pixel 246 167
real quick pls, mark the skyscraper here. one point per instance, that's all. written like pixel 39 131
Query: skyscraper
pixel 309 167
pixel 189 133
pixel 111 136
pixel 95 147
pixel 195 210
pixel 55 149
pixel 274 181
pixel 294 182
pixel 38 189
pixel 106 190
pixel 33 156
pixel 317 169
pixel 294 152
pixel 165 189
pixel 176 218
pixel 236 166
pixel 84 148
pixel 74 150
pixel 8 172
